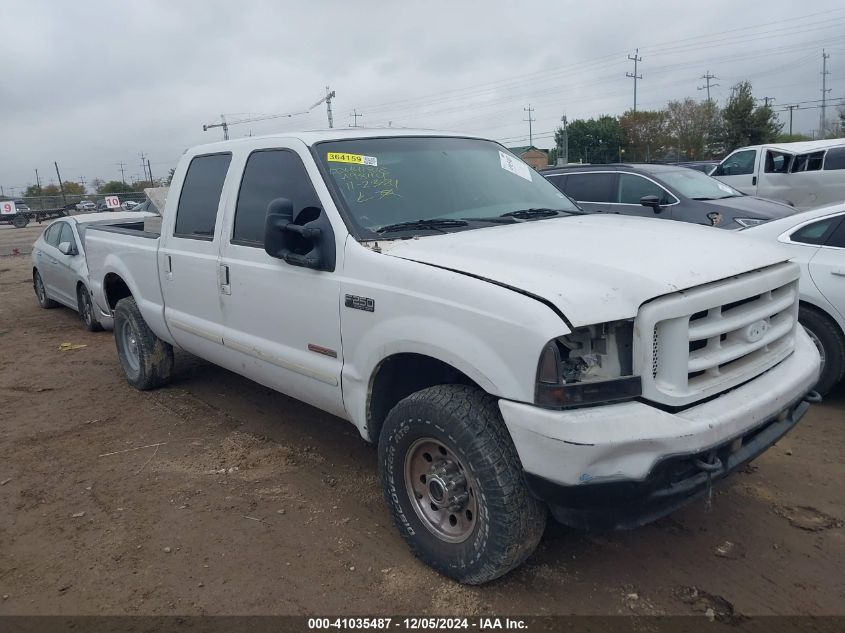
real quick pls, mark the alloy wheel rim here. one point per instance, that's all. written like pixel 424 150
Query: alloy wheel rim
pixel 130 347
pixel 39 289
pixel 441 490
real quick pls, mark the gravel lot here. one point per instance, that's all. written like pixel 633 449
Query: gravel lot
pixel 218 496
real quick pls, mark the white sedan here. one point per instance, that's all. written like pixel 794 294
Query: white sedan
pixel 59 267
pixel 816 241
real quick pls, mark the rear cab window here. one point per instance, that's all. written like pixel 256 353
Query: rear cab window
pixel 196 213
pixel 835 158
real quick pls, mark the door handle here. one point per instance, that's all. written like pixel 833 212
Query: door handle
pixel 753 180
pixel 225 286
pixel 839 272
pixel 168 268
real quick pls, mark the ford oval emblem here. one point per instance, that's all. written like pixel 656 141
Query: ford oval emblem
pixel 756 331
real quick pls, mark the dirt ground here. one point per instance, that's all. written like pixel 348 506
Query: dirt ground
pixel 218 496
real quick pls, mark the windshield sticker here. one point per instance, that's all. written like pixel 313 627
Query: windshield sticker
pixel 342 157
pixel 515 166
pixel 363 184
pixel 725 188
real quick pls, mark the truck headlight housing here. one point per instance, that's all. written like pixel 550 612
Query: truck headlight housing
pixel 592 365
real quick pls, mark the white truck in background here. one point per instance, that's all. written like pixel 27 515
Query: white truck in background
pixel 508 353
pixel 805 174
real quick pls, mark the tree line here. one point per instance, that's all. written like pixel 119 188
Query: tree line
pixel 684 130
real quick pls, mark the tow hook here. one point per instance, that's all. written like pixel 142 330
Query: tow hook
pixel 712 465
pixel 813 397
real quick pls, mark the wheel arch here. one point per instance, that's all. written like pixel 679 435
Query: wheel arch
pixel 399 375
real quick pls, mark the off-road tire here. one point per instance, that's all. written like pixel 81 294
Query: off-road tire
pixel 41 292
pixel 20 221
pixel 85 307
pixel 147 361
pixel 509 520
pixel 826 334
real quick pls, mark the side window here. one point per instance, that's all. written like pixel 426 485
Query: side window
pixel 808 162
pixel 196 214
pixel 816 232
pixel 777 162
pixel 66 234
pixel 631 188
pixel 835 158
pixel 270 174
pixel 737 164
pixel 591 187
pixel 558 181
pixel 837 237
pixel 51 235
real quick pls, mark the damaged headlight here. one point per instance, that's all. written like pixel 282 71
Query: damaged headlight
pixel 591 365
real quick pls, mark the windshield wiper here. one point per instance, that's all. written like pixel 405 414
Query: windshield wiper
pixel 529 214
pixel 434 224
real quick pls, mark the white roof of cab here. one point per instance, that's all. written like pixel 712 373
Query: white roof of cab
pixel 800 147
pixel 311 137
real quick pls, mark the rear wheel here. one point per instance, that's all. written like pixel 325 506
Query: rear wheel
pixel 41 292
pixel 20 221
pixel 86 309
pixel 829 341
pixel 455 486
pixel 147 361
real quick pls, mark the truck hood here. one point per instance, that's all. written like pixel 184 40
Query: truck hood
pixel 592 268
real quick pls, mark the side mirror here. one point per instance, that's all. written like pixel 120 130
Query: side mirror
pixel 66 248
pixel 306 240
pixel 653 202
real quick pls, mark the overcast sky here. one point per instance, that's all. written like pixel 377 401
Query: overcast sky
pixel 92 84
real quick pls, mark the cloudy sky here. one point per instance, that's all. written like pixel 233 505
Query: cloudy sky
pixel 92 84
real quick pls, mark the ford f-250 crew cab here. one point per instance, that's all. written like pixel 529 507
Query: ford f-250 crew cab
pixel 508 353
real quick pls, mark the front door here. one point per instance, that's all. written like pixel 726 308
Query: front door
pixel 739 170
pixel 282 322
pixel 188 258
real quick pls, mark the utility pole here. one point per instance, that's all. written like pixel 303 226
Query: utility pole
pixel 144 166
pixel 122 174
pixel 791 108
pixel 38 181
pixel 636 59
pixel 530 120
pixel 150 170
pixel 61 186
pixel 825 90
pixel 563 150
pixel 82 183
pixel 766 101
pixel 329 96
pixel 707 77
pixel 355 114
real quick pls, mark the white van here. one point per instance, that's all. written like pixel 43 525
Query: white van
pixel 806 175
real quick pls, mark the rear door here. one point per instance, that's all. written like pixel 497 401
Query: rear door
pixel 282 322
pixel 594 191
pixel 188 258
pixel 739 170
pixel 827 268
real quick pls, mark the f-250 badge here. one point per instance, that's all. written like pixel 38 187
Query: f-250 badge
pixel 360 303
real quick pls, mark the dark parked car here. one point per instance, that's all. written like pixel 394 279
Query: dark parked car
pixel 663 191
pixel 701 165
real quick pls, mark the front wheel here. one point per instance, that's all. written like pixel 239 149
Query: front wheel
pixel 20 221
pixel 41 292
pixel 454 483
pixel 147 361
pixel 86 310
pixel 829 341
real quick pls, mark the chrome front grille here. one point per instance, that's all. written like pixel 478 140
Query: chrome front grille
pixel 696 343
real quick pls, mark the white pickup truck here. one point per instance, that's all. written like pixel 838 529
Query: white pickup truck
pixel 508 354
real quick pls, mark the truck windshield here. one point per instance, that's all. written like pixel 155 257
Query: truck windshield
pixel 398 185
pixel 696 185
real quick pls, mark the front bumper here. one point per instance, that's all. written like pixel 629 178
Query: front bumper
pixel 626 464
